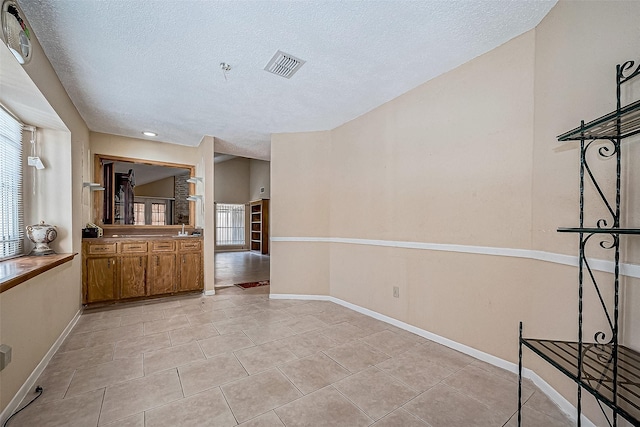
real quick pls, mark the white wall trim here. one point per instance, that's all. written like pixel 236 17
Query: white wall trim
pixel 210 292
pixel 556 397
pixel 630 270
pixel 30 383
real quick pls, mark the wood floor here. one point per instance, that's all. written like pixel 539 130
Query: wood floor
pixel 240 267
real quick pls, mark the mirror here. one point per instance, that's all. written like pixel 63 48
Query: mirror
pixel 143 193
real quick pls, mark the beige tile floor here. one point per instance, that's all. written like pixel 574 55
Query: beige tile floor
pixel 238 358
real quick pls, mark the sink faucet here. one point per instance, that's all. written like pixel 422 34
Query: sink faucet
pixel 182 233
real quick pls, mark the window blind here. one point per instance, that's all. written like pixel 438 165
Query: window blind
pixel 11 212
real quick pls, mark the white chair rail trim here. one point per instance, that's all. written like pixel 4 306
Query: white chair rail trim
pixel 629 270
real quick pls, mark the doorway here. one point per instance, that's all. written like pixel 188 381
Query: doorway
pixel 241 184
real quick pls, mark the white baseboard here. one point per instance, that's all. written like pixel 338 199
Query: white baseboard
pixel 556 397
pixel 30 383
pixel 302 297
pixel 210 292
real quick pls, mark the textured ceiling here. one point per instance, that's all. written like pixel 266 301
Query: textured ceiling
pixel 154 65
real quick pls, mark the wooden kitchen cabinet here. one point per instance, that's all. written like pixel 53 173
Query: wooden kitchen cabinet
pixel 133 276
pixel 100 279
pixel 190 271
pixel 121 269
pixel 190 274
pixel 162 277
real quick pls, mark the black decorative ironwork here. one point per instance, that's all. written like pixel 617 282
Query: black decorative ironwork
pixel 605 369
pixel 622 70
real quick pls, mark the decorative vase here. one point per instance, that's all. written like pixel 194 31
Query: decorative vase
pixel 41 235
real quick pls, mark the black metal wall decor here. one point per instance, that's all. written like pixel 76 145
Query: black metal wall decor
pixel 601 365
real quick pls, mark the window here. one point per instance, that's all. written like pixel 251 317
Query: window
pixel 229 225
pixel 158 214
pixel 138 213
pixel 153 211
pixel 11 214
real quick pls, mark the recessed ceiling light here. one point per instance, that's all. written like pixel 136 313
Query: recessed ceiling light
pixel 147 133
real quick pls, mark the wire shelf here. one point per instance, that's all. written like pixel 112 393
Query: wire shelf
pixel 597 371
pixel 606 127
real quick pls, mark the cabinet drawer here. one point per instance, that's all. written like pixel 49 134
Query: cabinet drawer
pixel 193 245
pixel 133 247
pixel 163 246
pixel 102 248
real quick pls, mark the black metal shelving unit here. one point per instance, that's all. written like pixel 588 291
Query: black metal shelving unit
pixel 601 366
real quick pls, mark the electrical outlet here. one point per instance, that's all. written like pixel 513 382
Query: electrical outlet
pixel 5 356
pixel 396 292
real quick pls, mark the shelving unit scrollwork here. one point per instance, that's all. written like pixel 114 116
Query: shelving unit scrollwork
pixel 602 366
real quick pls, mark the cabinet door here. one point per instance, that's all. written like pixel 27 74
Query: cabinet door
pixel 133 276
pixel 101 279
pixel 163 274
pixel 190 271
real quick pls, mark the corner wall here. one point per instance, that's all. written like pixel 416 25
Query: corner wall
pixel 232 181
pixel 259 178
pixel 34 314
pixel 300 203
pixel 453 193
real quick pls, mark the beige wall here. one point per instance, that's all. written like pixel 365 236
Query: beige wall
pixel 232 181
pixel 160 188
pixel 239 180
pixel 34 314
pixel 469 159
pixel 300 198
pixel 445 162
pixel 137 148
pixel 259 177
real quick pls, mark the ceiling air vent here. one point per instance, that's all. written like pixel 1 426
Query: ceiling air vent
pixel 284 65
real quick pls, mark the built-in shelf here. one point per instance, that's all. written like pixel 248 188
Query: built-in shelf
pixel 93 186
pixel 259 211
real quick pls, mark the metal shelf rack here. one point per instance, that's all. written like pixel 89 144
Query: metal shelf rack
pixel 601 366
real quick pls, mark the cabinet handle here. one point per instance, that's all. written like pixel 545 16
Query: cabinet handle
pixel 135 247
pixel 109 263
pixel 140 262
pixel 183 259
pixel 157 261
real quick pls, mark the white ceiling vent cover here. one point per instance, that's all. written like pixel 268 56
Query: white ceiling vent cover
pixel 284 65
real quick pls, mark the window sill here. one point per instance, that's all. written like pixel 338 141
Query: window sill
pixel 18 270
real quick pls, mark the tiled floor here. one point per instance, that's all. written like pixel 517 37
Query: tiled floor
pixel 238 358
pixel 240 267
